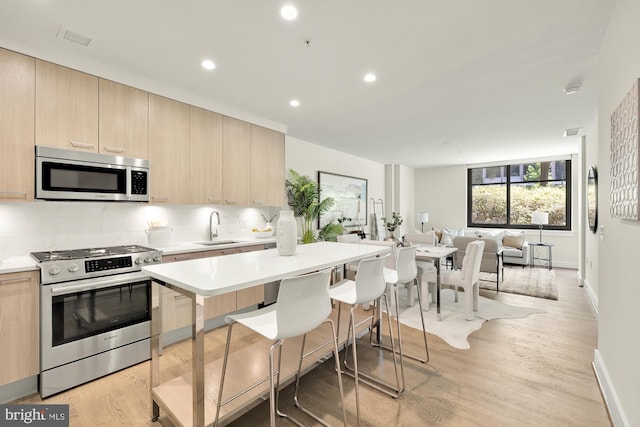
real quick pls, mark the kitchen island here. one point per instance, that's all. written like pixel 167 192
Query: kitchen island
pixel 188 400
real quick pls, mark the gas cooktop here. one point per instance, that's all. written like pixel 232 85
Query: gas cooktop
pixel 71 254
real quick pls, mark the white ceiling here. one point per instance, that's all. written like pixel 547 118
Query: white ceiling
pixel 459 81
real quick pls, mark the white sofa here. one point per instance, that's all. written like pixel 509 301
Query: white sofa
pixel 515 249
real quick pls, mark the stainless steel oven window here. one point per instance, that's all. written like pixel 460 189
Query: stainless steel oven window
pixel 78 315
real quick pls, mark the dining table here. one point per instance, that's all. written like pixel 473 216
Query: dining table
pixel 203 278
pixel 435 254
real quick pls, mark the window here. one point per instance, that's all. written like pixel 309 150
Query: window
pixel 506 196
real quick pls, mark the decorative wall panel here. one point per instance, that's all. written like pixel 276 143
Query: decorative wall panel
pixel 625 147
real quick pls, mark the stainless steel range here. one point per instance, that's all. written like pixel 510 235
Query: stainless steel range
pixel 95 313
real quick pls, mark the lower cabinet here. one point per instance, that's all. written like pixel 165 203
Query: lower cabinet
pixel 176 308
pixel 19 326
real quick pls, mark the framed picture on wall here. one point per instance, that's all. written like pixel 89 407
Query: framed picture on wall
pixel 349 195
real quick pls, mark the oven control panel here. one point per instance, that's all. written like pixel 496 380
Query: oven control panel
pixel 104 264
pixel 66 270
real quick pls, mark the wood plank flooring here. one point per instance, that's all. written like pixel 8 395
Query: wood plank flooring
pixel 523 372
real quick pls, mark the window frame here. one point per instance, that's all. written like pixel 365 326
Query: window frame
pixel 508 183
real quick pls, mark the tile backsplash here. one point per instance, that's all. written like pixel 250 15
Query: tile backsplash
pixel 44 226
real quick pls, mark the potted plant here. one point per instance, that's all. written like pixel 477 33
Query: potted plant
pixel 392 225
pixel 303 196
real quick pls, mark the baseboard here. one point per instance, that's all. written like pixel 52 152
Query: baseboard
pixel 18 389
pixel 611 401
pixel 593 297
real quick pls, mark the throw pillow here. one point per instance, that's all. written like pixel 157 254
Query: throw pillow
pixel 438 233
pixel 515 240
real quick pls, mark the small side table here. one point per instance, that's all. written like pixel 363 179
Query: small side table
pixel 532 253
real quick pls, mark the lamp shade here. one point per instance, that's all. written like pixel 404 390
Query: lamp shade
pixel 423 217
pixel 540 218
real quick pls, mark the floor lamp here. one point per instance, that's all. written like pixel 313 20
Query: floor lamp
pixel 540 218
pixel 422 218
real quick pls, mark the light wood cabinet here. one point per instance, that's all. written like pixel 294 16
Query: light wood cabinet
pixel 168 150
pixel 236 153
pixel 176 308
pixel 66 107
pixel 17 86
pixel 205 156
pixel 19 326
pixel 267 167
pixel 123 122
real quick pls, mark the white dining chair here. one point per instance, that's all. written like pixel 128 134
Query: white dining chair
pixel 302 305
pixel 406 273
pixel 369 285
pixel 424 267
pixel 467 278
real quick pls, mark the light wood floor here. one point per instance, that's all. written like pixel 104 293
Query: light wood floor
pixel 523 372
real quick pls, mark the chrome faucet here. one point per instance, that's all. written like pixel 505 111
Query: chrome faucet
pixel 213 234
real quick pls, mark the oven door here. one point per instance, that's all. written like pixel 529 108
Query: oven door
pixel 87 317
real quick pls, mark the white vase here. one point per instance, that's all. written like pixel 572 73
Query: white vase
pixel 286 233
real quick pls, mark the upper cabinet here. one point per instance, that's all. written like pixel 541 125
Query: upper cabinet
pixel 267 167
pixel 205 153
pixel 168 150
pixel 236 163
pixel 123 125
pixel 17 86
pixel 66 107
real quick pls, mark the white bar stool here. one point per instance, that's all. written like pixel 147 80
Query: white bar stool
pixel 406 273
pixel 302 305
pixel 369 285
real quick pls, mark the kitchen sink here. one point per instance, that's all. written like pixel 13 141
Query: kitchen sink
pixel 216 242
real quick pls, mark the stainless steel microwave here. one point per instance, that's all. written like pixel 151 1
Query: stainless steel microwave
pixel 76 175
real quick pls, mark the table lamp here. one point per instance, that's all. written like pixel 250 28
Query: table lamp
pixel 423 217
pixel 540 218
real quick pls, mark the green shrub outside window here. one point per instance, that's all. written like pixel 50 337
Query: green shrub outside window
pixel 506 196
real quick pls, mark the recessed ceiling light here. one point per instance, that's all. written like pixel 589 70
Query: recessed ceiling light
pixel 294 103
pixel 208 64
pixel 289 12
pixel 572 131
pixel 572 89
pixel 369 77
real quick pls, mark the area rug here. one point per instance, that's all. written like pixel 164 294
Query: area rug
pixel 535 282
pixel 454 328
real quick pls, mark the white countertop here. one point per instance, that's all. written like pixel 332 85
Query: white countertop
pixel 185 247
pixel 17 263
pixel 219 275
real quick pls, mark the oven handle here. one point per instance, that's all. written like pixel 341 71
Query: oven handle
pixel 94 284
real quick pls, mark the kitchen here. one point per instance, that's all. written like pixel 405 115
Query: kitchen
pixel 29 226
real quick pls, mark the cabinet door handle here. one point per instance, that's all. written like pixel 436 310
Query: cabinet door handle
pixel 210 200
pixel 14 280
pixel 114 149
pixel 13 195
pixel 258 202
pixel 231 202
pixel 159 199
pixel 84 145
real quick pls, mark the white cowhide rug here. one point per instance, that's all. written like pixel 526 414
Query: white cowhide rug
pixel 454 328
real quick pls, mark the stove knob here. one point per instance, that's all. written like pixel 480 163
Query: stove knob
pixel 138 261
pixel 148 259
pixel 157 258
pixel 54 270
pixel 73 268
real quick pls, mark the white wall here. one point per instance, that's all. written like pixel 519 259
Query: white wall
pixel 589 274
pixel 616 358
pixel 307 159
pixel 442 192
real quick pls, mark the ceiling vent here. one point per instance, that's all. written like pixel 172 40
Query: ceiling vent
pixel 572 131
pixel 73 36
